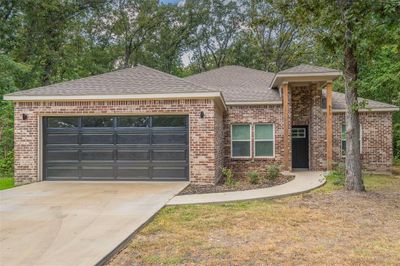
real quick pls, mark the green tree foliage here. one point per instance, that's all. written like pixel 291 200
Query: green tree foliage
pixel 11 73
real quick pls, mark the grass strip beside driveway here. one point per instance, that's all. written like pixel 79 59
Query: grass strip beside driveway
pixel 326 226
pixel 6 182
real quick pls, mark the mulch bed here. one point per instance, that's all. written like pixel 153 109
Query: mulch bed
pixel 240 185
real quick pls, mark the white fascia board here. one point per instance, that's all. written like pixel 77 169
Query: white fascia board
pixel 332 75
pixel 322 74
pixel 388 109
pixel 254 103
pixel 111 97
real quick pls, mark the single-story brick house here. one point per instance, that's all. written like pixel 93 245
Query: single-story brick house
pixel 143 124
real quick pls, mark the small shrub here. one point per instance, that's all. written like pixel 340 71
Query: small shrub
pixel 228 174
pixel 338 174
pixel 273 171
pixel 254 177
pixel 7 165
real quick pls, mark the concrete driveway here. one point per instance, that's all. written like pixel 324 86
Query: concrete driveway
pixel 74 223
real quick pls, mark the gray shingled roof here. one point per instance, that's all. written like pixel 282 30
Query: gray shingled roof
pixel 129 81
pixel 239 84
pixel 339 102
pixel 303 68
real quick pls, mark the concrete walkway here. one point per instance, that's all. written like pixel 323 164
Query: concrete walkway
pixel 303 182
pixel 75 223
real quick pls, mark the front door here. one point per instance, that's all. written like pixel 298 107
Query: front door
pixel 300 147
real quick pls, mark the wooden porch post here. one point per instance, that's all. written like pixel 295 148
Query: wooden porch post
pixel 285 97
pixel 329 125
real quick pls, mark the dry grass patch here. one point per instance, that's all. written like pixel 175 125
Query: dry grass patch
pixel 333 227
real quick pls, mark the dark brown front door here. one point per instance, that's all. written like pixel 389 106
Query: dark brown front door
pixel 300 147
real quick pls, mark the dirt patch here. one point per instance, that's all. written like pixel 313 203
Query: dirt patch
pixel 238 186
pixel 332 228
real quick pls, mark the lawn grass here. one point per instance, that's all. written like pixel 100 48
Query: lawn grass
pixel 6 182
pixel 331 226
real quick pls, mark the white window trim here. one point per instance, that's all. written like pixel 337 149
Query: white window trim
pixel 241 157
pixel 273 141
pixel 341 140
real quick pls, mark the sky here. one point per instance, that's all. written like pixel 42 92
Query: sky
pixel 170 1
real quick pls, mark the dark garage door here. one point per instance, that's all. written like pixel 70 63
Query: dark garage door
pixel 115 148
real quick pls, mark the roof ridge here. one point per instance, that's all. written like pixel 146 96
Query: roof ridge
pixel 227 66
pixel 176 77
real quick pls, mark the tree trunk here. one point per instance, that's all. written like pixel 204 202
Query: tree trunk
pixel 353 159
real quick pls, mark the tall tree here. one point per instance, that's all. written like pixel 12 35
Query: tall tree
pixel 343 26
pixel 218 26
pixel 129 23
pixel 281 44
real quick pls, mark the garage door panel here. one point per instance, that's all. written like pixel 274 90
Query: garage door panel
pixel 169 172
pixel 116 148
pixel 126 138
pixel 62 172
pixel 169 138
pixel 63 138
pixel 130 172
pixel 97 139
pixel 62 155
pixel 133 155
pixel 97 172
pixel 97 155
pixel 169 155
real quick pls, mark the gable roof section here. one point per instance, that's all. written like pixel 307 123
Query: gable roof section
pixel 339 103
pixel 239 84
pixel 136 82
pixel 303 68
pixel 305 73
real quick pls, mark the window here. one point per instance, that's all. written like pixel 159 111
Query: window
pixel 264 140
pixel 63 122
pixel 240 147
pixel 97 121
pixel 133 121
pixel 169 121
pixel 343 142
pixel 298 133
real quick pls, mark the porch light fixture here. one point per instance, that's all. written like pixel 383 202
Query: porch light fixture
pixel 24 116
pixel 201 114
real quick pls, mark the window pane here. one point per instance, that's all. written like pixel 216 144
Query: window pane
pixel 169 121
pixel 264 132
pixel 62 122
pixel 298 133
pixel 133 121
pixel 264 148
pixel 241 132
pixel 343 131
pixel 97 121
pixel 241 148
pixel 343 148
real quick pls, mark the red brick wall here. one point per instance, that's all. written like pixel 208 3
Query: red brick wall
pixel 253 115
pixel 219 142
pixel 377 148
pixel 377 133
pixel 210 140
pixel 301 105
pixel 317 131
pixel 203 142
